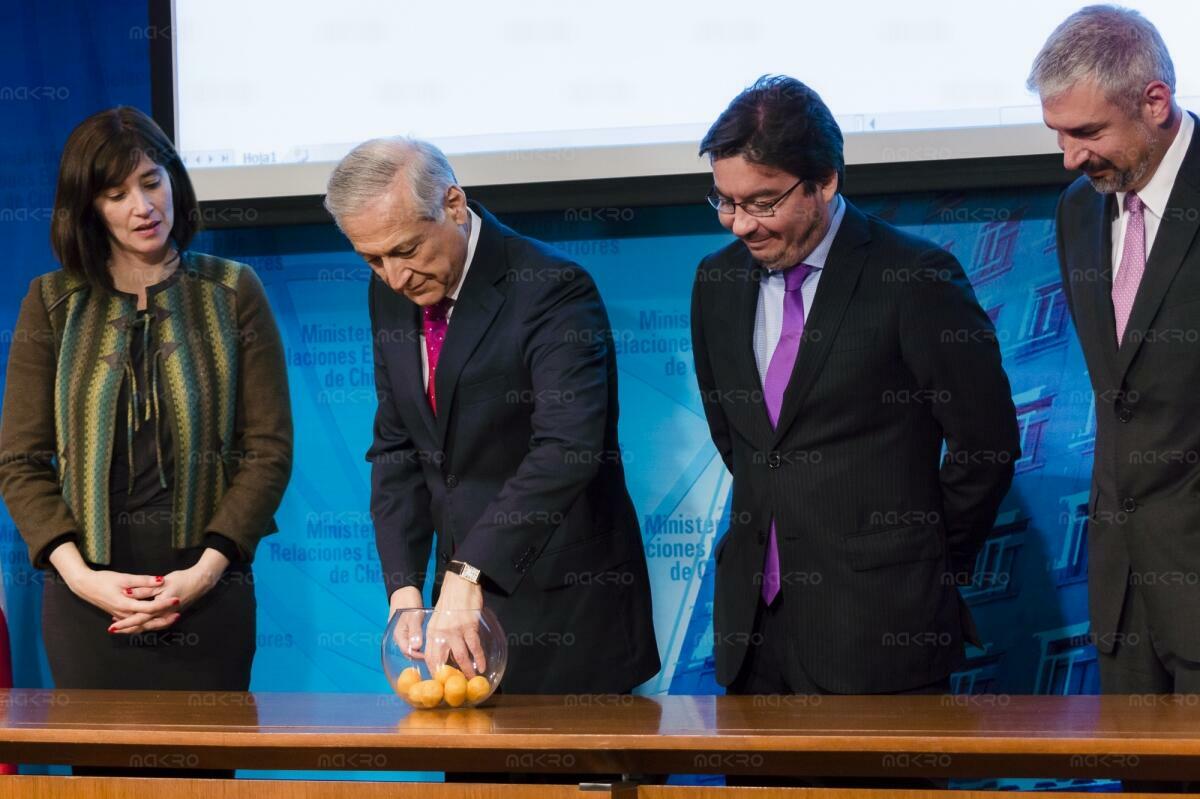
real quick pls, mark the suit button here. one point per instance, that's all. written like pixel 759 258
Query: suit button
pixel 1129 506
pixel 773 460
pixel 451 481
pixel 1124 415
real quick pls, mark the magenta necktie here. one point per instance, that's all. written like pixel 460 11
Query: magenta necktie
pixel 779 372
pixel 1133 263
pixel 436 321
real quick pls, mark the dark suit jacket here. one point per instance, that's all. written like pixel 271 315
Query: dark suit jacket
pixel 520 473
pixel 1145 499
pixel 897 357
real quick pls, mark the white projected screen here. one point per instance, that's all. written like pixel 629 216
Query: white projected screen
pixel 269 94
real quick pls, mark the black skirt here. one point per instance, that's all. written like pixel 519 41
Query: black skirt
pixel 210 647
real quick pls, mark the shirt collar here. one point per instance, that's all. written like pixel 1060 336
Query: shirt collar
pixel 1157 192
pixel 472 241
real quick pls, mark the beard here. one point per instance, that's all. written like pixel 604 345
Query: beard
pixel 1123 180
pixel 791 255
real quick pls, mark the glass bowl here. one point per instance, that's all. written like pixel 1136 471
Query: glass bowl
pixel 416 637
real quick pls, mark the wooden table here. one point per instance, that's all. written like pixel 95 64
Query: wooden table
pixel 1138 737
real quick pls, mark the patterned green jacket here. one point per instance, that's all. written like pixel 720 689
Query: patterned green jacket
pixel 224 382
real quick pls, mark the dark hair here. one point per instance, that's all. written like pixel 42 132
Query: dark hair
pixel 780 123
pixel 99 154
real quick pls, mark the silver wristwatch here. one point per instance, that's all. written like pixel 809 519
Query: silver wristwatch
pixel 463 570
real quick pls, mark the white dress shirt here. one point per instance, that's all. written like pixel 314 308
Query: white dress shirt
pixel 1154 195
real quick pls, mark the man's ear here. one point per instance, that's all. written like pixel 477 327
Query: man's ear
pixel 1158 104
pixel 829 187
pixel 456 205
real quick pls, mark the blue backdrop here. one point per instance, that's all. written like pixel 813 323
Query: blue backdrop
pixel 321 600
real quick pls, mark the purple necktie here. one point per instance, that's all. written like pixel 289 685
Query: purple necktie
pixel 436 321
pixel 1133 263
pixel 779 372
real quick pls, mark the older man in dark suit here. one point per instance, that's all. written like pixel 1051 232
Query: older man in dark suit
pixel 496 428
pixel 836 356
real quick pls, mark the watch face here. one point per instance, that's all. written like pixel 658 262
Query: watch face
pixel 464 570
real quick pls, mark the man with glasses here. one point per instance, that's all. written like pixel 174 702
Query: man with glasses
pixel 836 356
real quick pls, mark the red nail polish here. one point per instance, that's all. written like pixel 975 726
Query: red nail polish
pixel 110 629
pixel 158 579
pixel 128 592
pixel 175 601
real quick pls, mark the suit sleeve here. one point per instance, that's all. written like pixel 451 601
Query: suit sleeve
pixel 400 500
pixel 263 426
pixel 950 346
pixel 28 448
pixel 567 350
pixel 1061 253
pixel 718 425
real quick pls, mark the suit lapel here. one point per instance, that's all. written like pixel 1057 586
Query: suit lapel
pixel 747 279
pixel 1095 282
pixel 397 331
pixel 1175 235
pixel 838 279
pixel 474 311
pixel 412 374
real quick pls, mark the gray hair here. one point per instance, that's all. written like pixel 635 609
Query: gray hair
pixel 1116 47
pixel 371 169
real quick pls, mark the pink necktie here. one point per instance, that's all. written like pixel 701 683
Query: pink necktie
pixel 436 321
pixel 779 373
pixel 1133 263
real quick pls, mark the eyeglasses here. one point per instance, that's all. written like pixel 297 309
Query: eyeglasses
pixel 757 208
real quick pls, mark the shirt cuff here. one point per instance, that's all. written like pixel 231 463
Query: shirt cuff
pixel 223 545
pixel 42 560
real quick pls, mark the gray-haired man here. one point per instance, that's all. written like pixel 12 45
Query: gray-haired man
pixel 496 428
pixel 1130 263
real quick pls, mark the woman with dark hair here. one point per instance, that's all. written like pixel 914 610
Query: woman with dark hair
pixel 146 436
